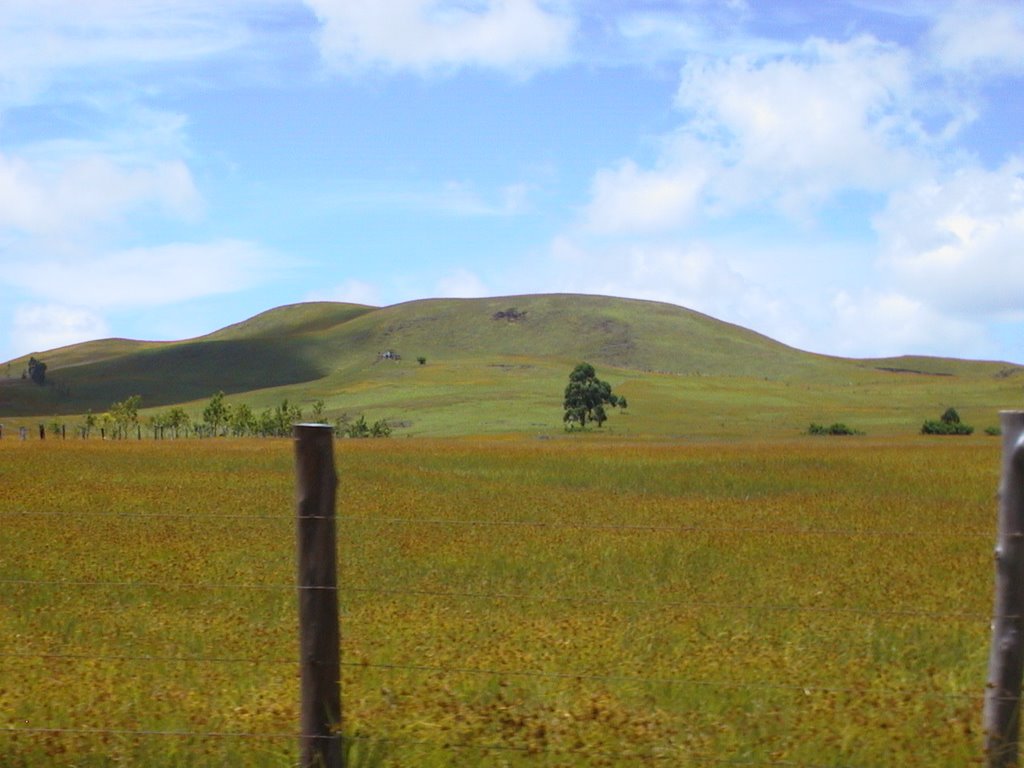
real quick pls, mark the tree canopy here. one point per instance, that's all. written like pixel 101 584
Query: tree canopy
pixel 585 398
pixel 125 414
pixel 216 413
pixel 37 371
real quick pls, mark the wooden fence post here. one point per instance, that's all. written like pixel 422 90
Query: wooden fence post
pixel 1006 659
pixel 319 635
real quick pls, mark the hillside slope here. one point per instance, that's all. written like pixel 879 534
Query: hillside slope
pixel 497 364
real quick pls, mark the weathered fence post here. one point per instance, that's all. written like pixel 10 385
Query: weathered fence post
pixel 1006 660
pixel 319 636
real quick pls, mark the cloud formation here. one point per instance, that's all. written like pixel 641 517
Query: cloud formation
pixel 897 324
pixel 351 291
pixel 48 326
pixel 108 167
pixel 425 35
pixel 790 131
pixel 461 284
pixel 975 36
pixel 88 190
pixel 144 277
pixel 43 42
pixel 956 243
pixel 695 275
pixel 778 136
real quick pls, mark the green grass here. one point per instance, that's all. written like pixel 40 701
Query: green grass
pixel 682 372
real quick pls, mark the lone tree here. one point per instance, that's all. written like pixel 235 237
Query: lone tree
pixel 37 371
pixel 586 396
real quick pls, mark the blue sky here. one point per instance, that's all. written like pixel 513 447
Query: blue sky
pixel 846 177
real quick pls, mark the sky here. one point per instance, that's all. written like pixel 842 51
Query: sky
pixel 846 177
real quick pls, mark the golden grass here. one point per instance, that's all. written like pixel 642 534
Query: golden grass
pixel 504 602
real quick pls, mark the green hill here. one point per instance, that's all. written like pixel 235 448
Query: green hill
pixel 500 364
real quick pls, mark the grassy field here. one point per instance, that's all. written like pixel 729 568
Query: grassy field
pixel 578 601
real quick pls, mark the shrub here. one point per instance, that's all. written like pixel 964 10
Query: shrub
pixel 948 424
pixel 940 427
pixel 993 431
pixel 359 428
pixel 834 429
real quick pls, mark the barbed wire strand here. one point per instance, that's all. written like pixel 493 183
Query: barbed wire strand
pixel 523 596
pixel 144 732
pixel 558 525
pixel 695 529
pixel 46 655
pixel 806 689
pixel 775 607
pixel 158 585
pixel 708 760
pixel 673 528
pixel 135 515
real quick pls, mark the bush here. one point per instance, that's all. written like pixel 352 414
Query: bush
pixel 834 429
pixel 940 427
pixel 948 424
pixel 993 431
pixel 359 428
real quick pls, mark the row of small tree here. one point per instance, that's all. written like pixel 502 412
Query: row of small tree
pixel 218 418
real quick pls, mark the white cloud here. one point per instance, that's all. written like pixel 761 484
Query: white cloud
pixel 862 322
pixel 957 243
pixel 694 275
pixel 88 190
pixel 627 198
pixel 797 129
pixel 706 26
pixel 981 36
pixel 790 130
pixel 422 35
pixel 880 324
pixel 49 326
pixel 461 199
pixel 461 283
pixel 351 291
pixel 42 41
pixel 808 129
pixel 143 277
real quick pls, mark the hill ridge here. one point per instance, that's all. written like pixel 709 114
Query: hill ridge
pixel 486 353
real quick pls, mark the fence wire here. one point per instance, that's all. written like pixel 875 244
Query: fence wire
pixel 662 753
pixel 807 689
pixel 929 533
pixel 519 596
pixel 666 753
